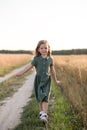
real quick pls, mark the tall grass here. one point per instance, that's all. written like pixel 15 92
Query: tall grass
pixel 8 62
pixel 61 116
pixel 72 71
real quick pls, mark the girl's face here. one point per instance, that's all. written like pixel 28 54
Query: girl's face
pixel 43 49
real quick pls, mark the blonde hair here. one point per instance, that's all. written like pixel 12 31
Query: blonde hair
pixel 37 53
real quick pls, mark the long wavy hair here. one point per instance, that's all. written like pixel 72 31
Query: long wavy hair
pixel 37 53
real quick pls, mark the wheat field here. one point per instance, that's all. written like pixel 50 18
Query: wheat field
pixel 8 62
pixel 72 72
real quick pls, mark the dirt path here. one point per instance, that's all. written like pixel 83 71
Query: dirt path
pixel 14 72
pixel 10 111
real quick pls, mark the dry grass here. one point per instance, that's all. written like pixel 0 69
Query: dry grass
pixel 8 62
pixel 72 71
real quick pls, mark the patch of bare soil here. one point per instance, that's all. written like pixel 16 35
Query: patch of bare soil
pixel 10 111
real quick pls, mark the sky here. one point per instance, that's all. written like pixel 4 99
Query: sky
pixel 24 22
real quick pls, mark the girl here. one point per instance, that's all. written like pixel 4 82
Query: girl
pixel 43 63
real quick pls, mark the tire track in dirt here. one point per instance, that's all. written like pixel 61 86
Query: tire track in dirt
pixel 10 111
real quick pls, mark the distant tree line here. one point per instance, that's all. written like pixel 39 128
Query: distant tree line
pixel 54 52
pixel 70 52
pixel 16 51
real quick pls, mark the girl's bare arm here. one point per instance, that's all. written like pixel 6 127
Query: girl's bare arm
pixel 25 70
pixel 52 69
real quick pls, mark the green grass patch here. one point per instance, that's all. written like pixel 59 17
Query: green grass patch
pixel 62 115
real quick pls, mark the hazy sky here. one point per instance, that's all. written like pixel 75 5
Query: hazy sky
pixel 24 22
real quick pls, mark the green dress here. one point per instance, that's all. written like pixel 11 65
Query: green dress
pixel 42 80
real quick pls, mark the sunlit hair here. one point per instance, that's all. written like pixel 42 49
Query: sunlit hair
pixel 37 53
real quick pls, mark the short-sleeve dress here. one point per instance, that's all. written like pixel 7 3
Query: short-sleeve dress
pixel 42 80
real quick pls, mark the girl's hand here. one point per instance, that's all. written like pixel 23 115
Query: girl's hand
pixel 24 71
pixel 19 74
pixel 58 82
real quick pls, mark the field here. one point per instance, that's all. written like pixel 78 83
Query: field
pixel 8 62
pixel 72 71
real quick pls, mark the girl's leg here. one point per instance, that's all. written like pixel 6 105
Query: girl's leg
pixel 40 106
pixel 43 106
pixel 43 111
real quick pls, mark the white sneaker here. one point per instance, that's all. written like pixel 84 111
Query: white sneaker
pixel 44 117
pixel 40 114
